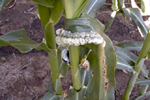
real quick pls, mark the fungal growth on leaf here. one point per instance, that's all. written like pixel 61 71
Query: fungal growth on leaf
pixel 66 38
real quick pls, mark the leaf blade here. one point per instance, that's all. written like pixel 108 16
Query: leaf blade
pixel 135 14
pixel 3 3
pixel 94 6
pixel 131 45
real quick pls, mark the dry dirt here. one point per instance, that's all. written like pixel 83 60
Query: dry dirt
pixel 26 76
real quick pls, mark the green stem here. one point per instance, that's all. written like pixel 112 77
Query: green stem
pixel 50 36
pixel 75 70
pixel 130 86
pixel 49 33
pixel 71 6
pixel 138 66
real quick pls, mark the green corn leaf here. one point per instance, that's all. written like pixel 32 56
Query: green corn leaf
pixel 56 12
pixel 84 51
pixel 94 6
pixel 135 14
pixel 131 45
pixel 121 4
pixel 85 76
pixel 111 61
pixel 112 18
pixel 44 14
pixel 52 96
pixel 145 49
pixel 115 7
pixel 53 59
pixel 142 97
pixel 74 8
pixel 88 77
pixel 21 41
pixel 46 3
pixel 123 65
pixel 126 61
pixel 81 9
pixel 85 24
pixel 95 88
pixel 143 82
pixel 125 57
pixel 3 3
pixel 63 69
pixel 74 95
pixel 43 46
pixel 50 85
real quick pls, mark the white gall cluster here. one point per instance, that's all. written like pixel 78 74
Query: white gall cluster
pixel 66 38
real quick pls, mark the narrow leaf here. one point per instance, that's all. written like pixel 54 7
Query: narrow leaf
pixel 19 40
pixel 85 24
pixel 109 24
pixel 115 7
pixel 127 60
pixel 44 14
pixel 131 45
pixel 52 96
pixel 94 6
pixel 58 7
pixel 123 65
pixel 74 95
pixel 142 82
pixel 50 85
pixel 81 9
pixel 63 69
pixel 43 46
pixel 147 94
pixel 72 7
pixel 135 14
pixel 145 48
pixel 3 3
pixel 85 76
pixel 22 42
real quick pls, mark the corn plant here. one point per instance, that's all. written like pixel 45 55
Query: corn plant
pixel 84 47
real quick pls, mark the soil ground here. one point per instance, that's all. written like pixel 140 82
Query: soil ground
pixel 26 76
